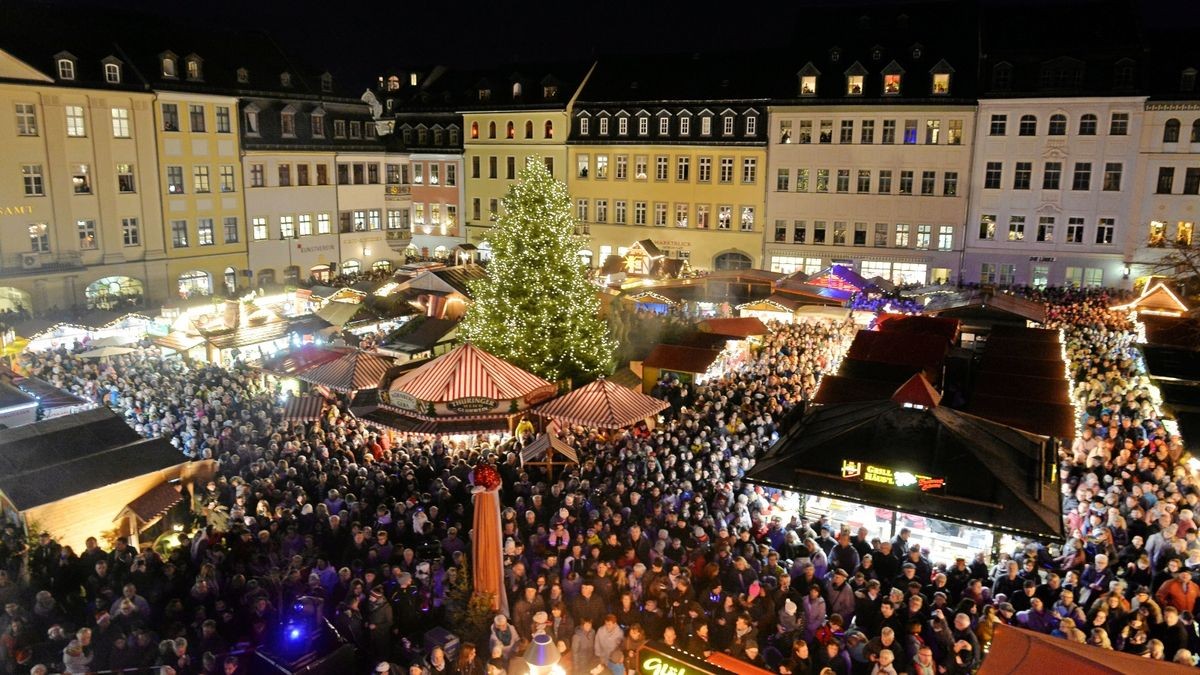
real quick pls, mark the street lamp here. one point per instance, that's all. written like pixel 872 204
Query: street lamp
pixel 542 656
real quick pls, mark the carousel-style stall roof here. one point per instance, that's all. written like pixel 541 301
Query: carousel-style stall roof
pixel 995 476
pixel 602 405
pixel 351 371
pixel 468 372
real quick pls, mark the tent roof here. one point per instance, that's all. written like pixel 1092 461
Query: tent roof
pixel 681 359
pixel 995 475
pixel 339 313
pixel 603 405
pixel 1157 298
pixel 776 302
pixel 917 391
pixel 1171 331
pixel 896 373
pixel 836 282
pixel 983 304
pixel 408 424
pixel 926 325
pixel 539 446
pixel 1016 650
pixel 53 459
pixel 468 371
pixel 303 408
pixel 1046 418
pixel 1029 387
pixel 737 327
pixel 349 372
pixel 912 349
pixel 291 362
pixel 1171 364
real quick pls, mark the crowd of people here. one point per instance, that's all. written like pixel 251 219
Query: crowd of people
pixel 652 536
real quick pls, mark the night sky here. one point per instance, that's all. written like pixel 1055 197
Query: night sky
pixel 373 36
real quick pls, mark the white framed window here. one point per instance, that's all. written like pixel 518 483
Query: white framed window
pixel 66 69
pixel 32 179
pixel 643 126
pixel 727 125
pixel 583 126
pixel 125 179
pixel 120 123
pixel 751 125
pixel 131 234
pixel 664 125
pixel 205 232
pixel 685 125
pixel 26 119
pixel 258 228
pixel 76 125
pixel 706 126
pixel 287 227
pixel 323 223
pixel 623 126
pixel 87 235
pixel 112 73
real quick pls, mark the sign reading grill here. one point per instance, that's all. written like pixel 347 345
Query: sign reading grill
pixel 472 404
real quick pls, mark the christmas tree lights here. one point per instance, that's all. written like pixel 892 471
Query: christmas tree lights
pixel 536 308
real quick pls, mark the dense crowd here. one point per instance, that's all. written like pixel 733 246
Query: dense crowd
pixel 653 536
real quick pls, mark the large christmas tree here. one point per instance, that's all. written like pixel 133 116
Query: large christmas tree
pixel 536 307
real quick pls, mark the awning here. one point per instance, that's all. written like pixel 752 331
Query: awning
pixel 249 335
pixel 602 405
pixel 469 372
pixel 303 408
pixel 338 313
pixel 350 372
pixel 152 504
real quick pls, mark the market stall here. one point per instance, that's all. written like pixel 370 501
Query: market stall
pixel 350 372
pixel 602 405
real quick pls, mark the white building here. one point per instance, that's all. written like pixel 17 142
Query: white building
pixel 1167 204
pixel 1052 190
pixel 363 205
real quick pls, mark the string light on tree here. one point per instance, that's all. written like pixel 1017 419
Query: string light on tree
pixel 536 308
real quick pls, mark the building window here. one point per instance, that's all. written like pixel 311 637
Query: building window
pixel 1087 124
pixel 818 232
pixel 867 134
pixel 1057 126
pixel 623 126
pixel 510 167
pixel 1105 228
pixel 170 113
pixel 1027 126
pixel 251 123
pixel 1119 125
pixel 726 171
pixel 257 176
pixel 941 84
pixel 891 84
pixel 31 176
pixel 355 129
pixel 826 133
pixel 881 235
pixel 864 181
pixel 120 122
pixel 808 85
pixel 1158 234
pixel 1016 228
pixel 846 134
pixel 620 207
pixel 112 73
pixel 1045 229
pixel 906 182
pixel 727 125
pixel 1166 180
pixel 822 180
pixel 287 124
pixel 839 233
pixel 200 179
pixel 125 180
pixel 76 125
pixel 196 118
pixel 885 182
pixel 801 180
pixel 1082 179
pixel 945 238
pixel 1183 233
pixel 664 125
pixel 193 69
pixel 749 170
pixel 854 85
pixel 987 273
pixel 131 234
pixel 39 238
pixel 683 167
pixel 724 217
pixel 999 125
pixel 987 227
pixel 81 179
pixel 660 214
pixel 661 167
pixel 1191 181
pixel 258 228
pixel 179 233
pixel 223 120
pixel 902 233
pixel 1075 230
pixel 843 180
pixel 204 232
pixel 1171 131
pixel 639 213
pixel 175 180
pixel 910 132
pixel 928 180
pixel 323 223
pixel 933 130
pixel 1052 176
pixel 1195 138
pixel 950 184
pixel 1112 177
pixel 87 235
pixel 704 169
pixel 1023 175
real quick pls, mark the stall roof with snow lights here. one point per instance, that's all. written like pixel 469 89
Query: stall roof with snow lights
pixel 836 282
pixel 985 307
pixel 1157 299
pixel 934 461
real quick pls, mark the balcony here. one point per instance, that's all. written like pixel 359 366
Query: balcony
pixel 398 240
pixel 397 192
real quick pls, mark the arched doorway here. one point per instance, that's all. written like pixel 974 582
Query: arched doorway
pixel 15 301
pixel 112 293
pixel 351 266
pixel 732 260
pixel 411 252
pixel 230 280
pixel 382 266
pixel 266 277
pixel 291 275
pixel 320 273
pixel 195 282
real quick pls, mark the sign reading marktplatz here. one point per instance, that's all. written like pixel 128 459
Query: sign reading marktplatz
pixel 870 473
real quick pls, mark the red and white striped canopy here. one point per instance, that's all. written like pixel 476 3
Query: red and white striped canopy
pixel 468 372
pixel 603 405
pixel 351 372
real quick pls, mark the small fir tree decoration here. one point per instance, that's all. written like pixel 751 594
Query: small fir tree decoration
pixel 536 308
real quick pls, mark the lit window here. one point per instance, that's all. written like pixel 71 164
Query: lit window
pixel 808 85
pixel 941 83
pixel 854 85
pixel 891 84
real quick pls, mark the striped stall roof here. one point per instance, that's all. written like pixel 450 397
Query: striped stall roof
pixel 303 408
pixel 603 405
pixel 468 372
pixel 350 372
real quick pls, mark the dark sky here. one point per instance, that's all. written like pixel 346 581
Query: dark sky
pixel 360 39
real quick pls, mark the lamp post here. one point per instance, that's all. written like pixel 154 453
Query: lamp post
pixel 542 656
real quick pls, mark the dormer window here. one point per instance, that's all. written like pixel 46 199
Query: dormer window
pixel 112 73
pixel 393 83
pixel 516 90
pixel 1002 76
pixel 685 123
pixel 727 125
pixel 916 52
pixel 195 72
pixel 854 85
pixel 66 66
pixel 706 125
pixel 412 79
pixel 751 125
pixel 549 91
pixel 285 79
pixel 808 85
pixel 251 123
pixel 1187 80
pixel 318 123
pixel 876 53
pixel 326 82
pixel 941 84
pixel 835 54
pixel 170 67
pixel 287 122
pixel 243 76
pixel 485 94
pixel 583 126
pixel 891 84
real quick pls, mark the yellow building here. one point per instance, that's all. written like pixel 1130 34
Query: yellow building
pixel 513 116
pixel 685 173
pixel 200 173
pixel 79 205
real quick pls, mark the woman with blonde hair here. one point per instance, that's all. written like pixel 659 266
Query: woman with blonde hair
pixel 1099 638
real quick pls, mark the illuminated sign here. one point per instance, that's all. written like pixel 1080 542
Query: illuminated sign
pixel 16 210
pixel 400 399
pixel 869 473
pixel 658 665
pixel 472 404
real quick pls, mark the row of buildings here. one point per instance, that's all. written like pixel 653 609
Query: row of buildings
pixel 924 143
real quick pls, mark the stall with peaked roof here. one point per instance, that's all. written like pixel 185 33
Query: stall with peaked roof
pixel 350 372
pixel 835 284
pixel 602 404
pixel 464 389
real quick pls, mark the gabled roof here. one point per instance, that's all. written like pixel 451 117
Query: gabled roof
pixel 468 372
pixel 917 391
pixel 350 372
pixel 603 405
pixel 734 327
pixel 681 359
